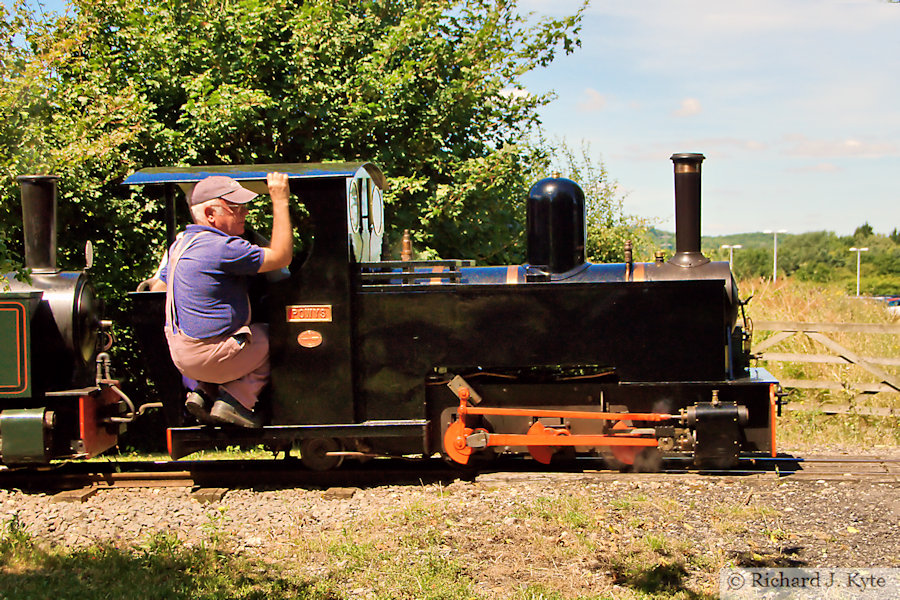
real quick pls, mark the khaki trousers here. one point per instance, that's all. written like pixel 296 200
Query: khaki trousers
pixel 242 370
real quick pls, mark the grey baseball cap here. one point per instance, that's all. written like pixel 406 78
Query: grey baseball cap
pixel 220 186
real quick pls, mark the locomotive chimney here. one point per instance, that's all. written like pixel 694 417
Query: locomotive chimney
pixel 39 221
pixel 687 211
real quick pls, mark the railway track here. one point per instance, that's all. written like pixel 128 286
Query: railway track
pixel 232 474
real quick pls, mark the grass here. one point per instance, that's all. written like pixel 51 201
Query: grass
pixel 128 454
pixel 813 431
pixel 567 511
pixel 429 544
pixel 415 564
pixel 791 300
pixel 161 567
pixel 656 567
pixel 628 503
pixel 428 548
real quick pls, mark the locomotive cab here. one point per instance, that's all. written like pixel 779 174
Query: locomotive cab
pixel 310 311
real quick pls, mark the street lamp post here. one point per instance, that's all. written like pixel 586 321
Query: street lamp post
pixel 731 250
pixel 859 252
pixel 775 253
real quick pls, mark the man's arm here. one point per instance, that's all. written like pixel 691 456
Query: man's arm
pixel 281 249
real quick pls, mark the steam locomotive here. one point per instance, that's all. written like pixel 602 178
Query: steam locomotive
pixel 551 359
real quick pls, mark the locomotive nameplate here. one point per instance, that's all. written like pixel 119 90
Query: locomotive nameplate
pixel 309 313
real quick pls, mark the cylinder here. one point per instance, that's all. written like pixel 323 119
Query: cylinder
pixel 687 210
pixel 39 221
pixel 556 230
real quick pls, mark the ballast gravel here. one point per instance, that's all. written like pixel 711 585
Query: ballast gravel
pixel 522 517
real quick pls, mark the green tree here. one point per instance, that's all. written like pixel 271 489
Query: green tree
pixel 8 262
pixel 863 232
pixel 814 256
pixel 418 86
pixel 608 226
pixel 753 262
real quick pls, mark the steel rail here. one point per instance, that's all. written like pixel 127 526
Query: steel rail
pixel 290 473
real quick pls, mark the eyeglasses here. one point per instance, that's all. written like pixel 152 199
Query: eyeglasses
pixel 235 209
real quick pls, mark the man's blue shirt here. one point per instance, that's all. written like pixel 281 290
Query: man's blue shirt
pixel 210 286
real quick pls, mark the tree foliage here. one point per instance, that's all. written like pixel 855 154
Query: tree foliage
pixel 418 86
pixel 819 256
pixel 608 225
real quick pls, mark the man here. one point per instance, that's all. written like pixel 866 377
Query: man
pixel 208 325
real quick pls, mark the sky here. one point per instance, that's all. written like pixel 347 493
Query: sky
pixel 794 103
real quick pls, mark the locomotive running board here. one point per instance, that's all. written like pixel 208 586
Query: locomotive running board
pixel 183 441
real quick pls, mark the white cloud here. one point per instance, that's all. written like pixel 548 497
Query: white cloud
pixel 719 147
pixel 798 94
pixel 801 146
pixel 594 101
pixel 712 18
pixel 689 108
pixel 825 167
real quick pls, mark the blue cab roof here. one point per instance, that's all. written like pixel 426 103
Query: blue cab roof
pixel 254 173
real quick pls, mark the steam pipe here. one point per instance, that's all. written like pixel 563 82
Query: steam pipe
pixel 687 211
pixel 39 221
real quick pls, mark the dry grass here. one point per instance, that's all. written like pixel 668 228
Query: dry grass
pixel 790 300
pixel 548 546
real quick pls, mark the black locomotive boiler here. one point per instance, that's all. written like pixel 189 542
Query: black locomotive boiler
pixel 554 358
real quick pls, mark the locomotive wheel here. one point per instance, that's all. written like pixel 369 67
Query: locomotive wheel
pixel 624 454
pixel 314 454
pixel 543 454
pixel 455 442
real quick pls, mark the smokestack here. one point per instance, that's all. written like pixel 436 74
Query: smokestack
pixel 39 221
pixel 687 210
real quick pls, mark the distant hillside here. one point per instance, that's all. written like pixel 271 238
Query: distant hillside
pixel 815 256
pixel 747 240
pixel 665 240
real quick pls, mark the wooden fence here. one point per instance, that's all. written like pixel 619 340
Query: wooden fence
pixel 885 382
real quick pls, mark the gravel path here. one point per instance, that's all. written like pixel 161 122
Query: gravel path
pixel 593 522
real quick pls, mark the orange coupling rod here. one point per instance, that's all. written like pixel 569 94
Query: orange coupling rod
pixel 465 409
pixel 460 441
pixel 569 414
pixel 552 439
